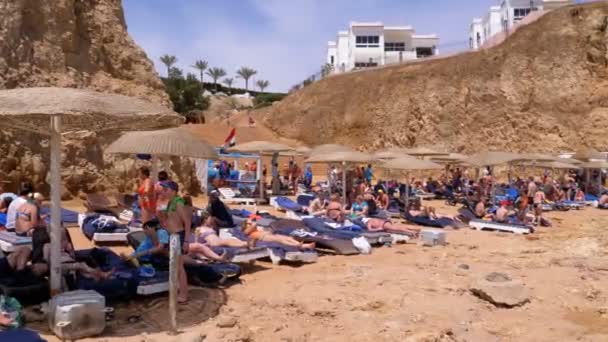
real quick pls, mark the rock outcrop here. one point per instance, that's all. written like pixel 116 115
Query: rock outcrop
pixel 78 44
pixel 73 43
pixel 545 89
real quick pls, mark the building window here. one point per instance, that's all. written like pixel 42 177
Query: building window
pixel 331 60
pixel 423 52
pixel 366 65
pixel 394 46
pixel 520 13
pixel 367 41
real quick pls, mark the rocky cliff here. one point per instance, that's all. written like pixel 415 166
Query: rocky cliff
pixel 545 88
pixel 80 44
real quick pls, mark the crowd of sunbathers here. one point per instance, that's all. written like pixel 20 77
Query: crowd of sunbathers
pixel 164 212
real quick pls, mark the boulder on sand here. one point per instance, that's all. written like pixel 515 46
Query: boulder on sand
pixel 500 290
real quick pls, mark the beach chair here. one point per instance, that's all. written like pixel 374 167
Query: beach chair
pixel 275 251
pixel 117 236
pixel 325 243
pixel 479 224
pixel 229 196
pixel 10 240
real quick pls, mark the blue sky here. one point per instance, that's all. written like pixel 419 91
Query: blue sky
pixel 285 40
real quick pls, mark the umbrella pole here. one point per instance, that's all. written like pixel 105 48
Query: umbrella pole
pixel 344 184
pixel 55 252
pixel 154 168
pixel 599 183
pixel 407 192
pixel 174 255
pixel 259 176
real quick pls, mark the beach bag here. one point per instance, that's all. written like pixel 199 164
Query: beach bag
pixel 362 245
pixel 11 307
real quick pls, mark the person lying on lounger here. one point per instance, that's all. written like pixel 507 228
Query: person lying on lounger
pixel 68 260
pixel 219 213
pixel 16 261
pixel 580 195
pixel 603 201
pixel 250 229
pixel 378 225
pixel 208 236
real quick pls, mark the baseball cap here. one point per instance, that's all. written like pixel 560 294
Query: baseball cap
pixel 170 185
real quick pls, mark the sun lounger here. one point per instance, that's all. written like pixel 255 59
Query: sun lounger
pixel 9 241
pixel 229 196
pixel 69 218
pixel 503 227
pixel 277 252
pixel 299 231
pixel 116 233
pixel 441 222
pixel 287 204
pixel 305 199
pixel 320 225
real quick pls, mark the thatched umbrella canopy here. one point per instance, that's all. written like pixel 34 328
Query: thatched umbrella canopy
pixel 167 142
pixel 392 153
pixel 553 165
pixel 30 108
pixel 423 152
pixel 491 158
pixel 261 146
pixel 344 157
pixel 328 148
pixel 408 164
pixel 48 110
pixel 588 154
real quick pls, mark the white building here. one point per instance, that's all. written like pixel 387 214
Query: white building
pixel 503 17
pixel 373 44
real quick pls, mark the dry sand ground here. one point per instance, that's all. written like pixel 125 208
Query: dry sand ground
pixel 404 293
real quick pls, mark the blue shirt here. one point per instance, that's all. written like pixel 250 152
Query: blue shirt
pixel 146 245
pixel 368 174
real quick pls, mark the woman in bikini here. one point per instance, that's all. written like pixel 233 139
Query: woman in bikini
pixel 147 195
pixel 208 236
pixel 251 230
pixel 28 215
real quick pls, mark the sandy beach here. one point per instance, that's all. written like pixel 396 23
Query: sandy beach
pixel 403 293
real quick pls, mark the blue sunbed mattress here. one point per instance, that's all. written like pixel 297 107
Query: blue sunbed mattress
pixel 2 219
pixel 427 222
pixel 288 204
pixel 95 223
pixel 67 216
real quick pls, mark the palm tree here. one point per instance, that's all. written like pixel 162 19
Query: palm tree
pixel 168 61
pixel 201 66
pixel 246 73
pixel 229 82
pixel 262 85
pixel 216 74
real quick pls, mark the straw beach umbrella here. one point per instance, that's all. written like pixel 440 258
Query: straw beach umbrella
pixel 166 143
pixel 423 152
pixel 49 111
pixel 408 164
pixel 262 147
pixel 392 153
pixel 344 157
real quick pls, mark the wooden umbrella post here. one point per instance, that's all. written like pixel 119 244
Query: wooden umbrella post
pixel 344 184
pixel 55 252
pixel 259 176
pixel 174 255
pixel 154 168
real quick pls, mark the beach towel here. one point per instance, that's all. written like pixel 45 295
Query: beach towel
pixel 305 199
pixel 20 335
pixel 288 204
pixel 2 219
pixel 97 223
pixel 67 216
pixel 427 222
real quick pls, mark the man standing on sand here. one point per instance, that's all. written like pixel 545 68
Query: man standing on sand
pixel 176 217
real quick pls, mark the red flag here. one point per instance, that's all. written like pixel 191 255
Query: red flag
pixel 231 139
